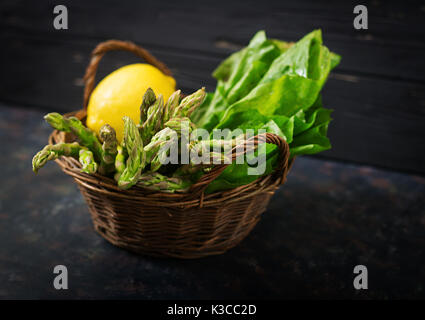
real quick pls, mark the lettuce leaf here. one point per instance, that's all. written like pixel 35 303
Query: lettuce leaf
pixel 272 85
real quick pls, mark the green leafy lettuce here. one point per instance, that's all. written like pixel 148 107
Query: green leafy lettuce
pixel 275 86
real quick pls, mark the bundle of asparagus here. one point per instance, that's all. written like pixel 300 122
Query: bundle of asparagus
pixel 141 157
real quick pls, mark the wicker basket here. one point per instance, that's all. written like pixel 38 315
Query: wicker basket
pixel 187 225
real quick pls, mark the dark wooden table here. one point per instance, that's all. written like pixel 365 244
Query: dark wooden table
pixel 327 218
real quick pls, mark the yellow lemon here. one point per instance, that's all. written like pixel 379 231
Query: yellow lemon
pixel 120 94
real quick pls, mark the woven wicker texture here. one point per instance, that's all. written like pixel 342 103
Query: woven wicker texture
pixel 187 225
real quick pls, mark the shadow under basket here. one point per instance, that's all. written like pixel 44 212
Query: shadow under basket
pixel 182 225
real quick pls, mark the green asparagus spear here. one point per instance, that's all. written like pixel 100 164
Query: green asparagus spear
pixel 74 150
pixel 87 161
pixel 120 161
pixel 57 121
pixel 149 99
pixel 136 156
pixel 171 105
pixel 157 182
pixel 52 152
pixel 183 127
pixel 160 157
pixel 109 149
pixel 153 122
pixel 189 104
pixel 212 145
pixel 212 158
pixel 85 135
pixel 218 150
pixel 216 145
pixel 157 149
pixel 180 125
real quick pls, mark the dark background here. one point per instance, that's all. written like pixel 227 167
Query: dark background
pixel 360 203
pixel 377 92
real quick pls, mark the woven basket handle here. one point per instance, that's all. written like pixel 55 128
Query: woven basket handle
pixel 113 45
pixel 280 172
